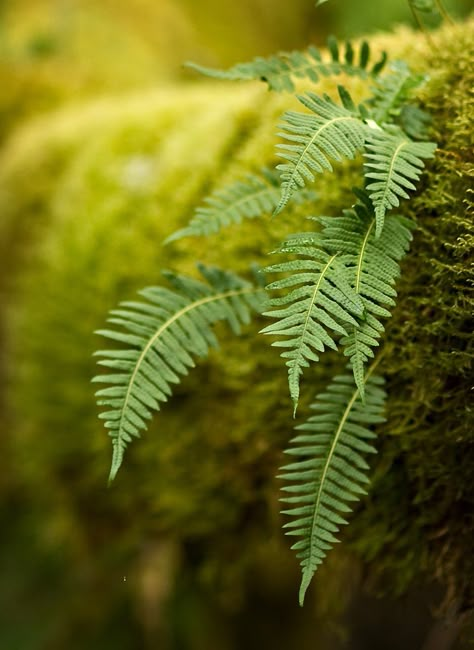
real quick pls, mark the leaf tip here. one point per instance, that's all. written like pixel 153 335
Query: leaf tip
pixel 305 581
pixel 116 463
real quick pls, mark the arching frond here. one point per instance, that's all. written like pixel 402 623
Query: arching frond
pixel 394 164
pixel 320 304
pixel 249 199
pixel 162 334
pixel 329 471
pixel 372 268
pixel 280 71
pixel 329 132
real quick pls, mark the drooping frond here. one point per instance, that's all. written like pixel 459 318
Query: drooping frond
pixel 318 305
pixel 280 71
pixel 372 268
pixel 162 334
pixel 329 132
pixel 249 199
pixel 394 164
pixel 329 471
pixel 392 91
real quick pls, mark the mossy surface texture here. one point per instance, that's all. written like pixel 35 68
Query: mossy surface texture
pixel 88 196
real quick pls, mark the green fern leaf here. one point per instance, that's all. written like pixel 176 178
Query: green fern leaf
pixel 330 132
pixel 414 121
pixel 372 267
pixel 329 472
pixel 280 71
pixel 392 91
pixel 248 199
pixel 319 305
pixel 394 165
pixel 162 336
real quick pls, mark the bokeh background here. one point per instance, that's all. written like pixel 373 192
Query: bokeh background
pixel 123 585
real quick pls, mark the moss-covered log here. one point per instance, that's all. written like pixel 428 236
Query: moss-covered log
pixel 87 198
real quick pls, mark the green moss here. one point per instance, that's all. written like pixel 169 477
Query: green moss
pixel 111 182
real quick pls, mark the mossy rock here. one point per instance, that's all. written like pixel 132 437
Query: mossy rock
pixel 100 189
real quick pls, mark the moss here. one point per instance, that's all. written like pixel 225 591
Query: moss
pixel 111 183
pixel 426 473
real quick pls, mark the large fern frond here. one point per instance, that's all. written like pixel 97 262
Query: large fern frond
pixel 394 164
pixel 372 266
pixel 330 471
pixel 280 71
pixel 162 335
pixel 320 304
pixel 329 132
pixel 249 199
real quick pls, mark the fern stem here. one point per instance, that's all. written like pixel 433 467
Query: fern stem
pixel 361 257
pixel 442 10
pixel 421 27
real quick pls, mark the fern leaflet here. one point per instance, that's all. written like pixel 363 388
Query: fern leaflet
pixel 331 132
pixel 242 200
pixel 319 305
pixel 394 164
pixel 330 471
pixel 162 335
pixel 280 71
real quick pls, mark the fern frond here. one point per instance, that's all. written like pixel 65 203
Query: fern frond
pixel 414 121
pixel 247 199
pixel 392 91
pixel 320 304
pixel 329 471
pixel 280 71
pixel 162 335
pixel 394 164
pixel 330 132
pixel 372 268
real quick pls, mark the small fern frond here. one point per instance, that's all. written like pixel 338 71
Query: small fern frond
pixel 319 305
pixel 329 472
pixel 392 91
pixel 414 121
pixel 280 71
pixel 249 199
pixel 162 335
pixel 394 164
pixel 372 266
pixel 330 132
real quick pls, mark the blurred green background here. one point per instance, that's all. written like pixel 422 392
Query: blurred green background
pixel 124 581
